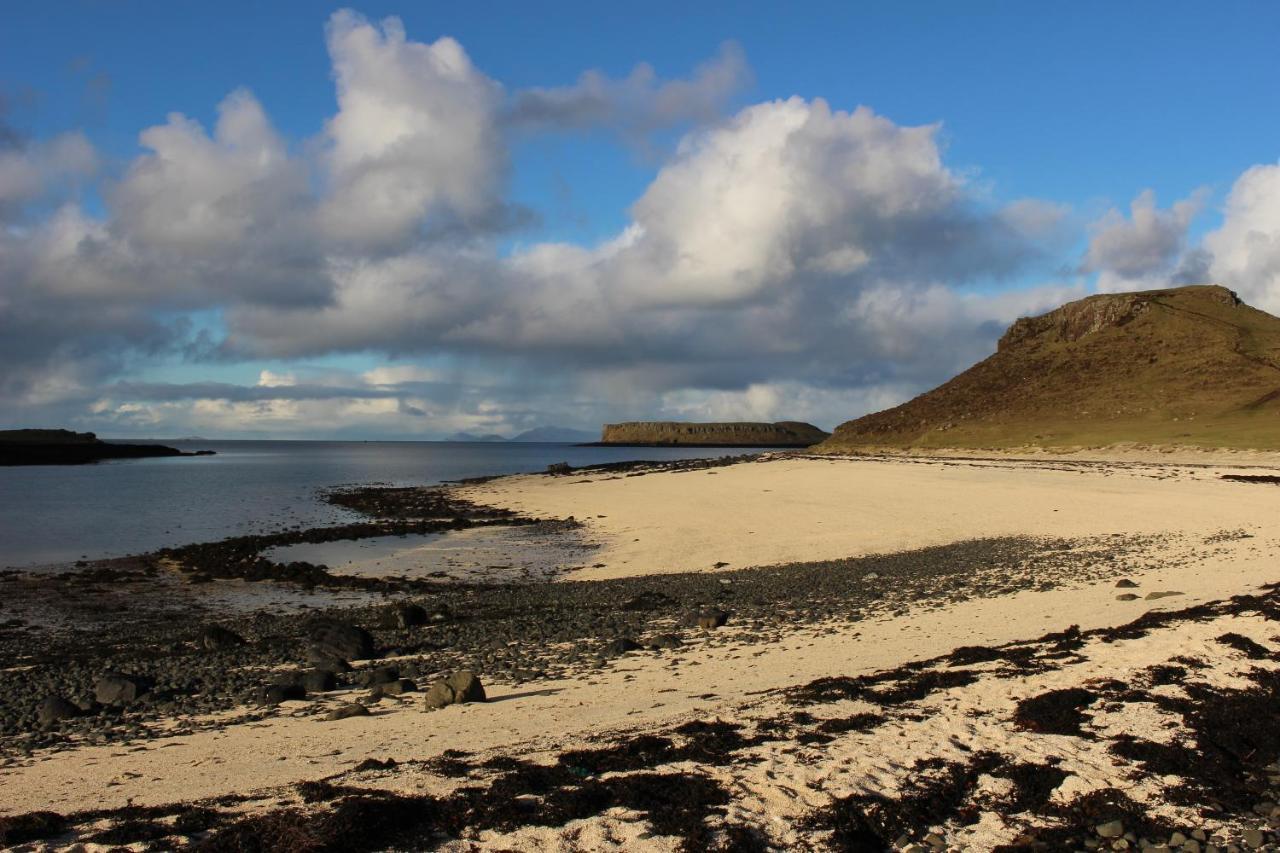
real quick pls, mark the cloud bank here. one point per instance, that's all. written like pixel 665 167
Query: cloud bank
pixel 787 259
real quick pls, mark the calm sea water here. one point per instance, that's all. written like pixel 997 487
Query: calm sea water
pixel 51 514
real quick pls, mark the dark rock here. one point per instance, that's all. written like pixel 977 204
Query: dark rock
pixel 1125 583
pixel 277 693
pixel 407 616
pixel 466 686
pixel 341 640
pixel 114 688
pixel 54 708
pixel 712 618
pixel 621 646
pixel 381 675
pixel 399 687
pixel 320 681
pixel 559 468
pixel 215 638
pixel 346 712
pixel 647 600
pixel 665 641
pixel 460 687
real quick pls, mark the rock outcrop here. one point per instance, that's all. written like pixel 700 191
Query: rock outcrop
pixel 1185 366
pixel 63 447
pixel 743 434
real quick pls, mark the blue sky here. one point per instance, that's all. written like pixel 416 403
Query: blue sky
pixel 1080 106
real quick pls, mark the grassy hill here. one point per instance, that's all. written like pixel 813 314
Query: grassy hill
pixel 1187 366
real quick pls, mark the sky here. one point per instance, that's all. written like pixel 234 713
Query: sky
pixel 398 221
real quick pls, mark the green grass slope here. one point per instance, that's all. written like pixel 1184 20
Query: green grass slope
pixel 1187 366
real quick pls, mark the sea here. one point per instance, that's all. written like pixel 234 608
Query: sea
pixel 54 515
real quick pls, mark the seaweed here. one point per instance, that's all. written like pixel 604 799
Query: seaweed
pixel 1058 712
pixel 31 826
pixel 1249 648
pixel 937 793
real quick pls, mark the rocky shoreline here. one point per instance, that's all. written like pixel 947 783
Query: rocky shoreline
pixel 129 678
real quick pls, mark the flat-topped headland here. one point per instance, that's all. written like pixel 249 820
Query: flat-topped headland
pixel 734 434
pixel 64 447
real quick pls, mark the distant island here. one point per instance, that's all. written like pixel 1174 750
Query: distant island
pixel 546 434
pixel 1189 366
pixel 734 434
pixel 64 447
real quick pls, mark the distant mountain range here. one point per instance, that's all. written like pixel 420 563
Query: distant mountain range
pixel 547 434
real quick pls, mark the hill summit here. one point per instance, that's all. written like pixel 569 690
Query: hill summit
pixel 1184 366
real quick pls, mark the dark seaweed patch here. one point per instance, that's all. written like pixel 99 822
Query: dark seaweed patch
pixel 1080 816
pixel 938 792
pixel 854 723
pixel 1059 712
pixel 703 742
pixel 1033 784
pixel 131 832
pixel 1265 479
pixel 1164 674
pixel 1244 645
pixel 32 826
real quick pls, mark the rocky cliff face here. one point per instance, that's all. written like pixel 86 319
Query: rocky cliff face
pixel 1189 365
pixel 743 434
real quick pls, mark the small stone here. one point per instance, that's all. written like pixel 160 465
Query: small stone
pixel 1152 596
pixel 1197 834
pixel 1125 583
pixel 1192 846
pixel 1110 829
pixel 1177 839
pixel 344 712
pixel 1126 596
pixel 870 576
pixel 933 839
pixel 1254 838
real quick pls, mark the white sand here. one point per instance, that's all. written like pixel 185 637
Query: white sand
pixel 756 513
pixel 813 509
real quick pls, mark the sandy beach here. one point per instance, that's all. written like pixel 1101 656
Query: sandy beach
pixel 798 723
